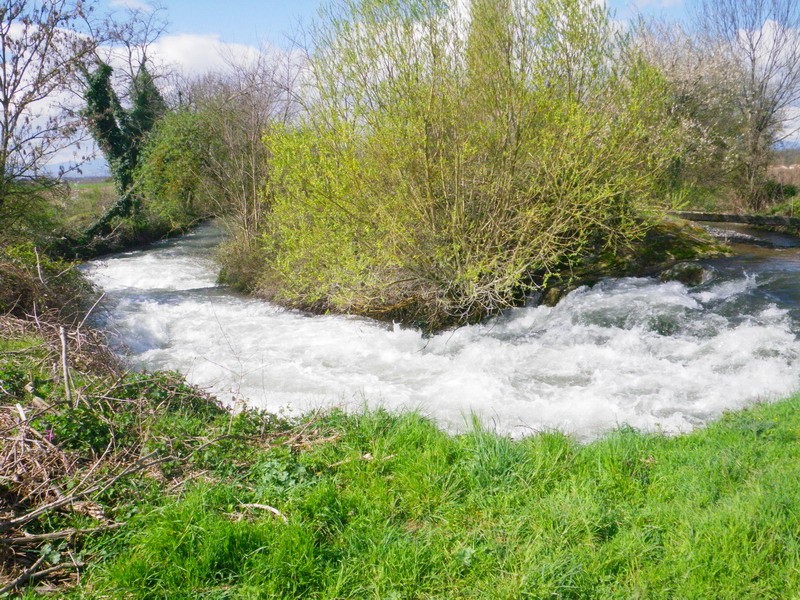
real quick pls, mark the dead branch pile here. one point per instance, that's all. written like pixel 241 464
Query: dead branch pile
pixel 89 352
pixel 29 461
pixel 38 478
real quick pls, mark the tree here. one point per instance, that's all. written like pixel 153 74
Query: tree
pixel 174 176
pixel 41 53
pixel 763 38
pixel 122 110
pixel 238 108
pixel 208 157
pixel 448 163
pixel 121 133
pixel 703 93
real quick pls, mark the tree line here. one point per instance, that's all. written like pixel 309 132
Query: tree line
pixel 418 159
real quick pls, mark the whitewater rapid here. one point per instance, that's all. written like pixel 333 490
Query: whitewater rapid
pixel 655 356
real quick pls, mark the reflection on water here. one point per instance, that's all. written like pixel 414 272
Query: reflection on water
pixel 653 355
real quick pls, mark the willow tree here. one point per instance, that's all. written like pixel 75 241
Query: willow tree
pixel 450 160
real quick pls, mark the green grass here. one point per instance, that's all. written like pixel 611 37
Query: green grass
pixel 87 202
pixel 394 508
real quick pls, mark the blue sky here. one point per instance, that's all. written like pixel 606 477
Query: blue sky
pixel 240 21
pixel 251 21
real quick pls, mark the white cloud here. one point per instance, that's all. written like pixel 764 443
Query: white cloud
pixel 196 54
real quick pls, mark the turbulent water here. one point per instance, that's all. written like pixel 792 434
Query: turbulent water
pixel 657 356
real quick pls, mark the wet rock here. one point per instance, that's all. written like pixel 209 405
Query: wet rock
pixel 553 294
pixel 688 273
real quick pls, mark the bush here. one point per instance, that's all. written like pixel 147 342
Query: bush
pixel 170 172
pixel 32 282
pixel 775 191
pixel 440 176
pixel 241 259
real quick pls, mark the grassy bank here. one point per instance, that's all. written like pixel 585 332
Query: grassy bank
pixel 393 508
pixel 78 461
pixel 172 497
pixel 54 218
pixel 87 201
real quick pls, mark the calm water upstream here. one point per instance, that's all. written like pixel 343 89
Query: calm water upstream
pixel 636 351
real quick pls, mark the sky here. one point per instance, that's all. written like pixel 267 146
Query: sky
pixel 240 21
pixel 248 22
pixel 201 32
pixel 251 22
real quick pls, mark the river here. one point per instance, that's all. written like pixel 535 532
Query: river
pixel 636 351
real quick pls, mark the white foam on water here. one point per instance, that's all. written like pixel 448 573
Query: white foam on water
pixel 652 355
pixel 159 269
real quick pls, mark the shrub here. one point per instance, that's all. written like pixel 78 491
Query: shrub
pixel 241 259
pixel 443 170
pixel 170 173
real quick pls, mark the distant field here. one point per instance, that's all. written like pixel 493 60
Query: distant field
pixel 88 199
pixel 788 156
pixel 785 168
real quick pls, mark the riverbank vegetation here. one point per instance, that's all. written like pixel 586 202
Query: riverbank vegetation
pixel 432 162
pixel 735 80
pixel 446 170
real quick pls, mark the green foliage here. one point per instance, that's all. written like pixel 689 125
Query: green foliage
pixel 12 381
pixel 438 176
pixel 777 192
pixel 148 107
pixel 242 260
pixel 171 170
pixel 120 133
pixel 108 122
pixel 30 213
